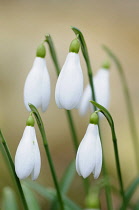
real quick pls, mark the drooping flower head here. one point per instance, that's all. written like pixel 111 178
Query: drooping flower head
pixel 89 154
pixel 69 87
pixel 27 158
pixel 37 84
pixel 101 87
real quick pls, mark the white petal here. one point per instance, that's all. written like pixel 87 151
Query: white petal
pixel 24 159
pixel 45 89
pixel 32 88
pixel 37 159
pixel 102 89
pixel 77 161
pixel 102 92
pixel 59 80
pixel 98 158
pixel 57 90
pixel 87 96
pixel 69 86
pixel 37 85
pixel 86 152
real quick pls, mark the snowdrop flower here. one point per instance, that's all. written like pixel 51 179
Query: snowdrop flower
pixel 27 158
pixel 101 87
pixel 69 87
pixel 37 84
pixel 89 154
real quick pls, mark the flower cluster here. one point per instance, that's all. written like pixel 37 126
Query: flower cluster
pixel 68 95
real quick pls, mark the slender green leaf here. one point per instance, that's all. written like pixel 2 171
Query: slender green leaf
pixel 51 195
pixel 70 204
pixel 48 193
pixel 2 150
pixel 130 191
pixel 65 182
pixel 67 178
pixel 9 200
pixel 128 99
pixel 30 198
pixel 136 206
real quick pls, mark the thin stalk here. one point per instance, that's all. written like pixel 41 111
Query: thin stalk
pixel 118 166
pixel 90 76
pixel 133 128
pixel 72 128
pixel 46 147
pixel 17 181
pixel 107 186
pixel 68 112
pixel 106 113
pixel 87 59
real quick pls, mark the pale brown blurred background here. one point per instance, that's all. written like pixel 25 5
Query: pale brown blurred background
pixel 23 25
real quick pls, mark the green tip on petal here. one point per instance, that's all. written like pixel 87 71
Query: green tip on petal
pixel 94 118
pixel 74 46
pixel 41 51
pixel 30 121
pixel 106 65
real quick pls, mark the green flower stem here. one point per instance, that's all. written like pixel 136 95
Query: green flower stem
pixel 45 143
pixel 129 105
pixel 114 139
pixel 53 53
pixel 69 114
pixel 87 59
pixel 73 131
pixel 90 75
pixel 17 181
pixel 107 186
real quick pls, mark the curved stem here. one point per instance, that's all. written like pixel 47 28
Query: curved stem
pixel 118 163
pixel 17 181
pixel 107 187
pixel 114 138
pixel 45 143
pixel 87 59
pixel 90 76
pixel 106 113
pixel 128 100
pixel 73 131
